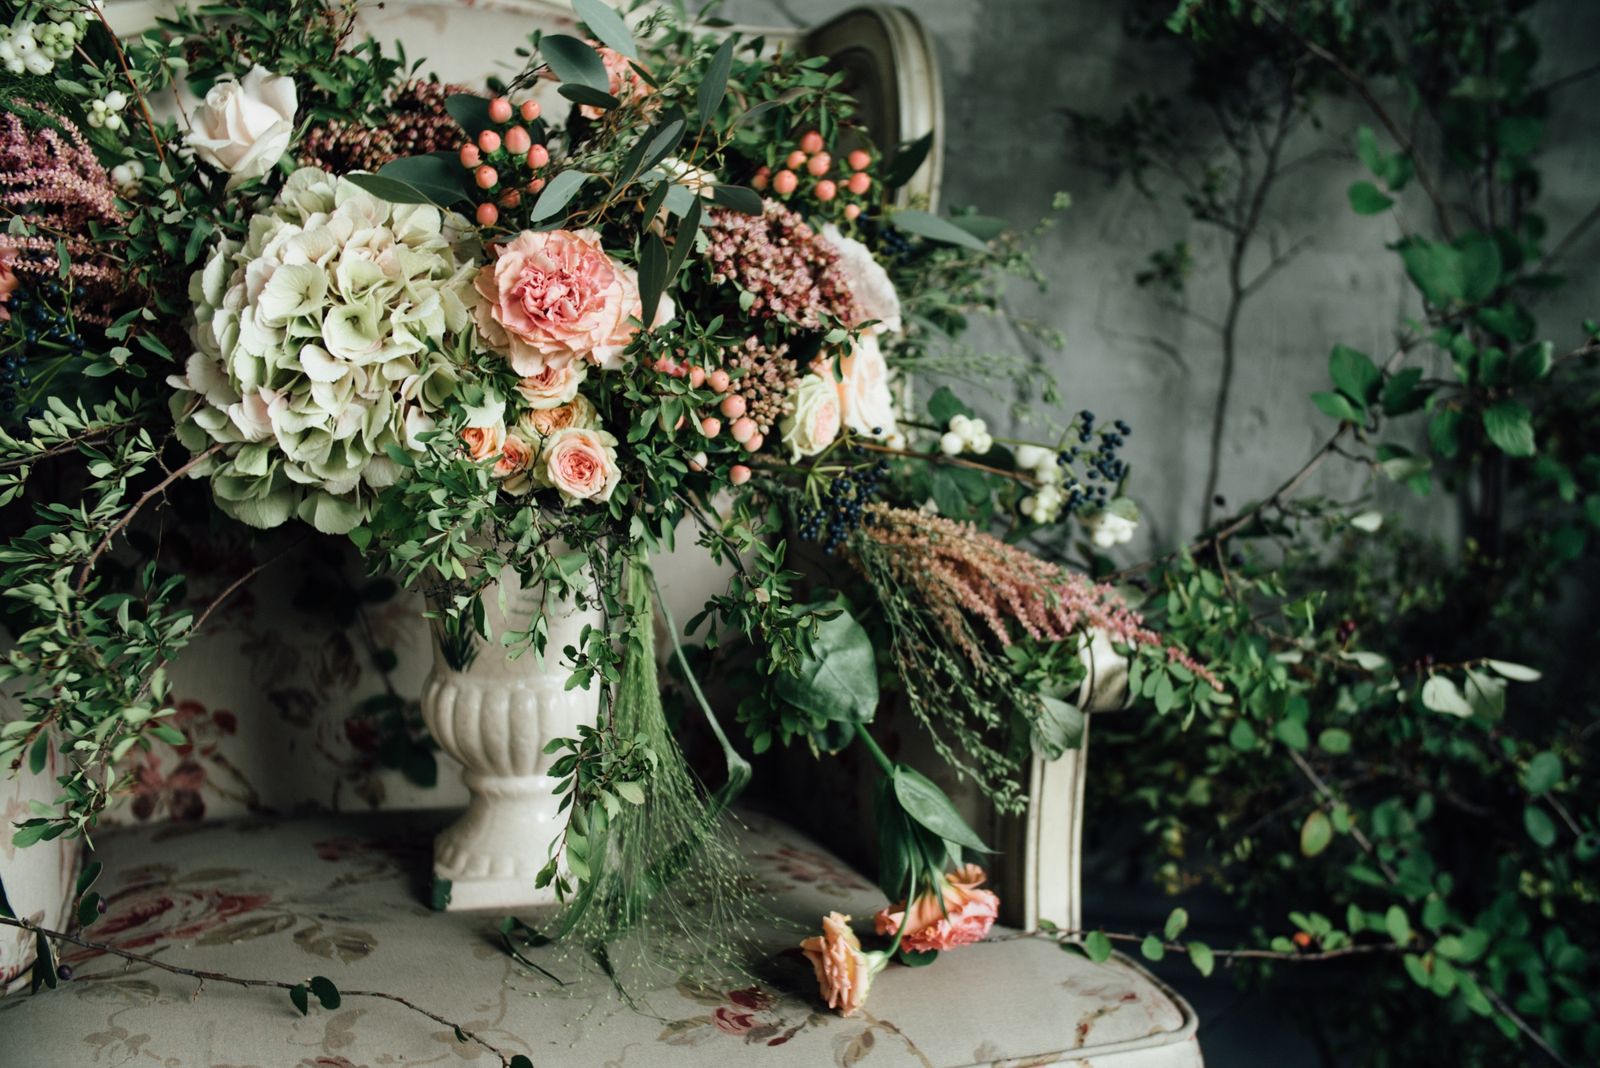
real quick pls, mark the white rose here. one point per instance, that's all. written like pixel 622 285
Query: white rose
pixel 813 420
pixel 864 393
pixel 868 282
pixel 244 126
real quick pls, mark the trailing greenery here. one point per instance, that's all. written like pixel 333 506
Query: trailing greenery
pixel 1406 782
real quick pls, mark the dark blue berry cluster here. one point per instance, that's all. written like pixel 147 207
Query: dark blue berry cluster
pixel 895 244
pixel 36 322
pixel 1098 450
pixel 843 506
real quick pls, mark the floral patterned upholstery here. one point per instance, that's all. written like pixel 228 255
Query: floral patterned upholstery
pixel 344 897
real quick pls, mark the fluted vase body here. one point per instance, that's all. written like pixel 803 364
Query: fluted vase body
pixel 495 713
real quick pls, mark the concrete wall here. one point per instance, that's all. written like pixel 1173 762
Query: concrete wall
pixel 1009 68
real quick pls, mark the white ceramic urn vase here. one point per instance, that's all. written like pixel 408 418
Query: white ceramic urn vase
pixel 495 714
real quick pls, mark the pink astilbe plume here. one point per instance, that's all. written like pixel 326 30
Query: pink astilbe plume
pixel 52 179
pixel 959 572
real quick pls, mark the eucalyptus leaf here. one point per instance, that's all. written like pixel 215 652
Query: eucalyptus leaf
pixel 934 228
pixel 605 23
pixel 738 198
pixel 906 160
pixel 555 196
pixel 715 84
pixel 572 61
pixel 927 805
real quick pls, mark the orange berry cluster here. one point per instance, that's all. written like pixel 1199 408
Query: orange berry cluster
pixel 505 163
pixel 844 190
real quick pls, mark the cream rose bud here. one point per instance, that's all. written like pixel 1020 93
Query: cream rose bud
pixel 580 464
pixel 244 125
pixel 813 418
pixel 865 397
pixel 552 386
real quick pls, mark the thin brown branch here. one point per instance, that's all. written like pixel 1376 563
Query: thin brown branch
pixel 1365 92
pixel 127 517
pixel 1355 832
pixel 235 980
pixel 144 105
pixel 97 435
pixel 1363 949
pixel 950 461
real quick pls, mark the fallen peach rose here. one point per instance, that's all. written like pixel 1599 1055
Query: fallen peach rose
pixel 964 916
pixel 844 972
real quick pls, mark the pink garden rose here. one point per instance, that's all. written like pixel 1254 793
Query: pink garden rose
pixel 965 917
pixel 8 280
pixel 552 297
pixel 552 386
pixel 844 972
pixel 581 464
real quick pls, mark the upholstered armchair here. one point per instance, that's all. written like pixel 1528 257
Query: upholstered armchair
pixel 283 841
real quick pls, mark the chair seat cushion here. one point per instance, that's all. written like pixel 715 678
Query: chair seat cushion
pixel 344 897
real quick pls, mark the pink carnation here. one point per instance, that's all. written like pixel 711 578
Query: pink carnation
pixel 963 917
pixel 844 972
pixel 554 296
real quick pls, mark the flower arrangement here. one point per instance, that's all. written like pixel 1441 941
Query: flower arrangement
pixel 473 334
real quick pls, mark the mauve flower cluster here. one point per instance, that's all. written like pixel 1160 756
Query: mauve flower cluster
pixel 51 178
pixel 766 383
pixel 956 569
pixel 777 258
pixel 416 125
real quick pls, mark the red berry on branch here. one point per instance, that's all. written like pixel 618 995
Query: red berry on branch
pixel 785 182
pixel 811 142
pixel 488 214
pixel 859 160
pixel 499 110
pixel 859 183
pixel 530 110
pixel 819 164
pixel 826 190
pixel 486 177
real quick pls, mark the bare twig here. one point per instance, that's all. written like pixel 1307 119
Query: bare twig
pixel 127 517
pixel 1363 949
pixel 234 980
pixel 1355 832
pixel 1365 92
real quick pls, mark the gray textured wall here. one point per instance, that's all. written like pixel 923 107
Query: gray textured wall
pixel 1009 67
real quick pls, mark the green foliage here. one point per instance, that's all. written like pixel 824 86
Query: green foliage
pixel 1390 758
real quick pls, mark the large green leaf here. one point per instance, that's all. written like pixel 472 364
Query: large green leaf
pixel 1355 374
pixel 604 22
pixel 907 160
pixel 437 176
pixel 385 188
pixel 927 805
pixel 715 85
pixel 1059 728
pixel 574 62
pixel 1368 199
pixel 555 196
pixel 934 228
pixel 839 680
pixel 1510 426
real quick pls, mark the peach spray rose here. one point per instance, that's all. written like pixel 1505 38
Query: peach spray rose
pixel 844 971
pixel 581 464
pixel 964 916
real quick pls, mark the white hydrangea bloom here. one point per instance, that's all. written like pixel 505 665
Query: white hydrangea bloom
pixel 319 343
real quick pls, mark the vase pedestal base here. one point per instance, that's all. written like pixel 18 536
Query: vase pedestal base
pixel 490 857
